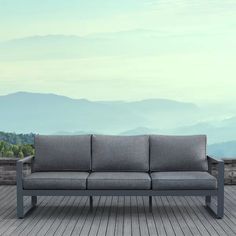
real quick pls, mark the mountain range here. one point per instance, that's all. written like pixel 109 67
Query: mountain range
pixel 137 42
pixel 49 113
pixel 24 112
pixel 225 149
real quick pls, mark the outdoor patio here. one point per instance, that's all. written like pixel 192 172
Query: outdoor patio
pixel 117 216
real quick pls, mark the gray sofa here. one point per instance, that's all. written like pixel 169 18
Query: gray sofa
pixel 99 165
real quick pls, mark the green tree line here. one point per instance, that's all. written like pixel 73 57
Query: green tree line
pixel 15 150
pixel 13 138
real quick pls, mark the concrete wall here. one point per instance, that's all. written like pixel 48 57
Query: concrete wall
pixel 8 170
pixel 230 171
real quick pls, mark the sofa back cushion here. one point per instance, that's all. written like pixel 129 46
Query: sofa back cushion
pixel 120 153
pixel 62 153
pixel 178 153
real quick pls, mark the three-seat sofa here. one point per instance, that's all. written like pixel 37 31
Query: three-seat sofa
pixel 98 165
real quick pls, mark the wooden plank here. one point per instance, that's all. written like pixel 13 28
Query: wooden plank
pixel 4 192
pixel 84 217
pixel 18 225
pixel 149 217
pixel 97 217
pixel 228 218
pixel 187 216
pixel 120 217
pixel 68 218
pixel 7 209
pixel 229 197
pixel 134 217
pixel 142 217
pixel 231 193
pixel 127 216
pixel 7 214
pixel 179 217
pixel 166 221
pixel 209 220
pixel 60 217
pixel 54 214
pixel 170 214
pixel 45 216
pixel 10 203
pixel 112 217
pixel 76 214
pixel 117 216
pixel 90 217
pixel 157 218
pixel 209 216
pixel 195 217
pixel 105 217
pixel 230 208
pixel 11 220
pixel 209 229
pixel 229 205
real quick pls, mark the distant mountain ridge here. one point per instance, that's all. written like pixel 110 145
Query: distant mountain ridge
pixel 215 134
pixel 225 149
pixel 24 112
pixel 50 113
pixel 137 42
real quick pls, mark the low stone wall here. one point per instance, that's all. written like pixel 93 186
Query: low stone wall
pixel 230 171
pixel 8 171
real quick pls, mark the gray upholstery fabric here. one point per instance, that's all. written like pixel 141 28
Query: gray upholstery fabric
pixel 183 180
pixel 120 153
pixel 56 180
pixel 62 153
pixel 119 180
pixel 178 153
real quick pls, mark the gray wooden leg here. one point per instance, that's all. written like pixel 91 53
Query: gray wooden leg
pixel 33 200
pixel 20 205
pixel 150 203
pixel 91 203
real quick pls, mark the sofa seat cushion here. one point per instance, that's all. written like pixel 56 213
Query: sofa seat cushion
pixel 119 180
pixel 56 180
pixel 183 180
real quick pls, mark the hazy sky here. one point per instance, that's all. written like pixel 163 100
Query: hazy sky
pixel 124 50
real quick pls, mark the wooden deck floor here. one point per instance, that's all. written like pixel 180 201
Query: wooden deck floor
pixel 116 216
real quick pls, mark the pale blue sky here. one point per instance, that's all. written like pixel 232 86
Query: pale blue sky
pixel 128 49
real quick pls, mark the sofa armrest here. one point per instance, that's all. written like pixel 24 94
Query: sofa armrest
pixel 19 169
pixel 27 159
pixel 220 169
pixel 220 163
pixel 213 159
